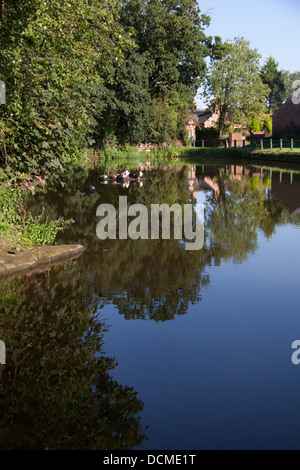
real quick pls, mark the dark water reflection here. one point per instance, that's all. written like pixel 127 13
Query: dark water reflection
pixel 58 389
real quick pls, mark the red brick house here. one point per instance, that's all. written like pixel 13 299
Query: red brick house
pixel 287 119
pixel 205 118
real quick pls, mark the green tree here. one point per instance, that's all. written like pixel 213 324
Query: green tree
pixel 123 104
pixel 275 80
pixel 53 54
pixel 267 124
pixel 171 37
pixel 233 85
pixel 254 125
pixel 171 34
pixel 56 390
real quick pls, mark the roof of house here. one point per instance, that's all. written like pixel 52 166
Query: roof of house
pixel 286 104
pixel 201 115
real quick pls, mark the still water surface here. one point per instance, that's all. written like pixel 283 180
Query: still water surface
pixel 141 344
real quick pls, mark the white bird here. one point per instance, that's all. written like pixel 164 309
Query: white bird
pixel 123 174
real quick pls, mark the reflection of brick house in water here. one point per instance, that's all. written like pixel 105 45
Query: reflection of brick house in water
pixel 286 189
pixel 287 118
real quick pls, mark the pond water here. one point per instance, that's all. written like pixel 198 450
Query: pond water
pixel 141 344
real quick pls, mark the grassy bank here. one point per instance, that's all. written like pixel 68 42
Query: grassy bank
pixel 19 228
pixel 204 155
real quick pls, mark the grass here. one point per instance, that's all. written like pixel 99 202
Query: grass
pixel 131 158
pixel 18 227
pixel 207 154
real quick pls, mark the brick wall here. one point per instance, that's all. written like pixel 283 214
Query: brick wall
pixel 238 136
pixel 287 114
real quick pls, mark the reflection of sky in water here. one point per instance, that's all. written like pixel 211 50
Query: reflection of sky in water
pixel 220 375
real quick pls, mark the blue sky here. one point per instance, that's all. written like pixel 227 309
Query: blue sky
pixel 271 26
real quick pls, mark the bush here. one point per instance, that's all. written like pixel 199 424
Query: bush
pixel 40 230
pixel 19 226
pixel 207 133
pixel 254 125
pixel 267 124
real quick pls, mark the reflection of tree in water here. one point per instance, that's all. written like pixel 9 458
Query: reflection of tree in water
pixel 237 212
pixel 55 389
pixel 154 279
pixel 148 278
pixel 158 279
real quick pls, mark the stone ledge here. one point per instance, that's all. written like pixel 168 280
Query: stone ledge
pixel 35 257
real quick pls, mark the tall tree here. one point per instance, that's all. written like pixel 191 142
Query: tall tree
pixel 123 104
pixel 275 79
pixel 233 86
pixel 53 53
pixel 171 35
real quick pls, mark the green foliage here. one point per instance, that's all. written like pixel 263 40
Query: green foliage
pixel 19 226
pixel 11 205
pixel 275 80
pixel 152 93
pixel 207 133
pixel 39 230
pixel 267 124
pixel 233 85
pixel 104 71
pixel 171 35
pixel 56 390
pixel 51 74
pixel 254 125
pixel 124 104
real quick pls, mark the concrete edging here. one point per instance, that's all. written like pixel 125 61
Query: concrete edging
pixel 36 257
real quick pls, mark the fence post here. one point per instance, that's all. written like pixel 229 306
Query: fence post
pixel 292 144
pixel 271 144
pixel 235 144
pixel 261 144
pixel 202 142
pixel 280 144
pixel 244 143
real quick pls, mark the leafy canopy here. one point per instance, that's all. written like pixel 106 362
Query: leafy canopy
pixel 53 54
pixel 233 85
